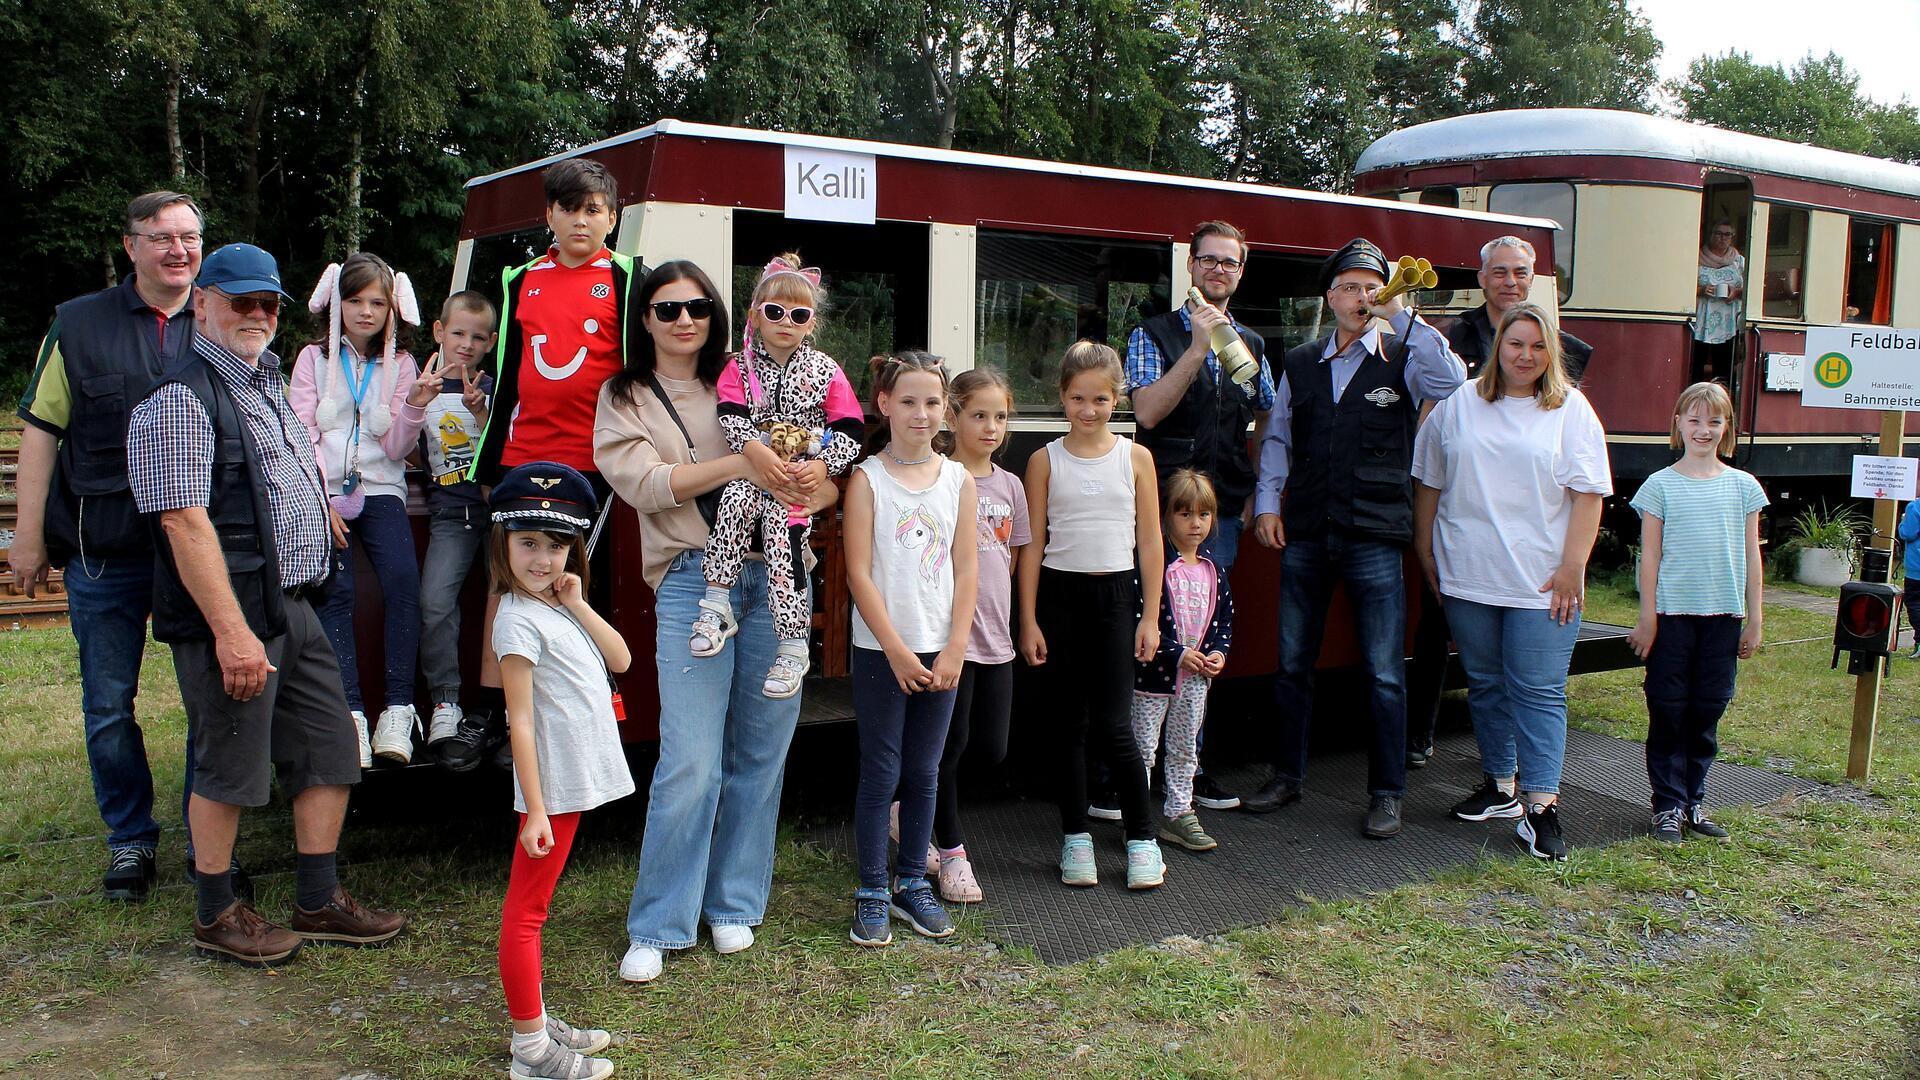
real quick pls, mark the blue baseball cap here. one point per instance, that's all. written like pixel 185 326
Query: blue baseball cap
pixel 241 268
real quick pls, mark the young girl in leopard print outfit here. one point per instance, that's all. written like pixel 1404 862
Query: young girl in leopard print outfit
pixel 777 377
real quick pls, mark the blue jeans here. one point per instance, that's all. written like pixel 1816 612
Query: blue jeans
pixel 108 601
pixel 1222 546
pixel 382 530
pixel 1377 595
pixel 901 738
pixel 715 802
pixel 1516 663
pixel 457 533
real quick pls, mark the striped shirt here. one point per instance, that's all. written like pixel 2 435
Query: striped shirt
pixel 170 457
pixel 1703 539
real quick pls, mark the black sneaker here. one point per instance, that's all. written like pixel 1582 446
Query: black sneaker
pixel 129 875
pixel 1207 792
pixel 1697 821
pixel 1540 832
pixel 1275 794
pixel 1487 803
pixel 462 752
pixel 1417 758
pixel 1666 826
pixel 242 881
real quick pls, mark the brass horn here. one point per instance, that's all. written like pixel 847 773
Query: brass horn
pixel 1409 275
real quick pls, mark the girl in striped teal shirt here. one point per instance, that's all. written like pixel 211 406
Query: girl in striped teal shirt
pixel 1699 604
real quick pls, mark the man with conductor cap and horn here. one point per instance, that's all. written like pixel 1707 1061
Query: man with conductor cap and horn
pixel 1335 496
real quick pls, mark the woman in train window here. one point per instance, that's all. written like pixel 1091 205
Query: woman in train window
pixel 1719 296
pixel 707 855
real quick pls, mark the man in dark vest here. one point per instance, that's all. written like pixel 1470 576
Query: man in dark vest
pixel 1506 279
pixel 75 512
pixel 225 472
pixel 1190 415
pixel 1335 495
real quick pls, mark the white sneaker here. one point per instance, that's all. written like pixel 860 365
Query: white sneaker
pixel 732 939
pixel 642 963
pixel 360 732
pixel 446 722
pixel 393 735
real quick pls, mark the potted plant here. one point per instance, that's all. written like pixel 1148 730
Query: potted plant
pixel 1823 545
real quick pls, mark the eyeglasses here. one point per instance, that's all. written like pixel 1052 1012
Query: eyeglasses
pixel 164 241
pixel 1215 262
pixel 669 310
pixel 1351 288
pixel 800 316
pixel 247 305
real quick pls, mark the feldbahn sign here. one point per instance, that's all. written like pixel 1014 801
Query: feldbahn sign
pixel 1862 367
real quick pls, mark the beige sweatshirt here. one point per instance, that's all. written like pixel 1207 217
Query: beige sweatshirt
pixel 636 447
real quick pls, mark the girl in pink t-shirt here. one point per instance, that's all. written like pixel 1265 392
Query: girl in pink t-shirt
pixel 979 404
pixel 1196 629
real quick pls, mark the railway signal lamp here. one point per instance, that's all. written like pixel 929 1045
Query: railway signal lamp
pixel 1869 619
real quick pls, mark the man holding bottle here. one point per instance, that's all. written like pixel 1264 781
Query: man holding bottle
pixel 1190 412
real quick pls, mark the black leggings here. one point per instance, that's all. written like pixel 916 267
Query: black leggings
pixel 985 695
pixel 1089 622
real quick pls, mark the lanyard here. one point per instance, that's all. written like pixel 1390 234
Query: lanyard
pixel 366 379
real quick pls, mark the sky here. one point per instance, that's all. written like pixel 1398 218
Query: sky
pixel 1877 38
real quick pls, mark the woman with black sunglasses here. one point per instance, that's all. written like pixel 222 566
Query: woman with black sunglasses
pixel 712 812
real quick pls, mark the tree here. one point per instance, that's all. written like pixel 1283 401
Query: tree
pixel 1817 102
pixel 1529 54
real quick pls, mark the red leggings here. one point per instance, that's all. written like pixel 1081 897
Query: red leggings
pixel 529 891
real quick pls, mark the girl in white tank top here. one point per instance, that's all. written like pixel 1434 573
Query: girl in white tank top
pixel 913 591
pixel 1090 605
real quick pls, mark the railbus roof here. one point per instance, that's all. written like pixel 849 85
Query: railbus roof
pixel 679 161
pixel 1591 133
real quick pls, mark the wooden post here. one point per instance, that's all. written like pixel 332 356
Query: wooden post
pixel 1866 691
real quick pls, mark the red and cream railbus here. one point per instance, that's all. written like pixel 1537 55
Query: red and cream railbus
pixel 1828 237
pixel 985 260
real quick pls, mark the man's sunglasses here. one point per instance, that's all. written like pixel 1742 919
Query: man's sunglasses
pixel 247 305
pixel 700 307
pixel 801 316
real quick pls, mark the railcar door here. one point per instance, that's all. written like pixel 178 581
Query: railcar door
pixel 1718 350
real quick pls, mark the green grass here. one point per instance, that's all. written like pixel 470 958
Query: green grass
pixel 1793 951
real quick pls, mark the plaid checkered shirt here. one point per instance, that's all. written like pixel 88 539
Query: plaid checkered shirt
pixel 170 457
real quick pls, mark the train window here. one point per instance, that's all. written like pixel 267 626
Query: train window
pixel 1783 293
pixel 1551 200
pixel 1440 196
pixel 1869 272
pixel 875 277
pixel 1036 295
pixel 492 255
pixel 1279 299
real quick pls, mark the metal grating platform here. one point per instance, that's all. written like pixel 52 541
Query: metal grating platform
pixel 1312 850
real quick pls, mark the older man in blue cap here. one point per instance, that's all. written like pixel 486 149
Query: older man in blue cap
pixel 1335 494
pixel 223 468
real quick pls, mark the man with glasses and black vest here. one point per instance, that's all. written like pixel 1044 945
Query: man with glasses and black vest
pixel 76 513
pixel 225 472
pixel 1336 497
pixel 1190 415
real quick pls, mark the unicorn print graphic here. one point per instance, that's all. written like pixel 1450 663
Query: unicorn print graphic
pixel 917 530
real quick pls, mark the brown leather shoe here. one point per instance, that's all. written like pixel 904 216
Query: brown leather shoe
pixel 239 935
pixel 347 921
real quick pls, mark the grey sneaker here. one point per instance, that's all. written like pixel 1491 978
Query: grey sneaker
pixel 1076 861
pixel 560 1063
pixel 914 904
pixel 578 1040
pixel 1666 826
pixel 1145 868
pixel 1697 821
pixel 1185 830
pixel 870 925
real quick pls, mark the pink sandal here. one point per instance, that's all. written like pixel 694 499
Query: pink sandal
pixel 957 883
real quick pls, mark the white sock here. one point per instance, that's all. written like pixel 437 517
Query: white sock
pixel 528 1045
pixel 721 595
pixel 1507 786
pixel 793 646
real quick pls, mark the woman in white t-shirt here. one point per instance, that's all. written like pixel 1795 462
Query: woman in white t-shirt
pixel 1512 472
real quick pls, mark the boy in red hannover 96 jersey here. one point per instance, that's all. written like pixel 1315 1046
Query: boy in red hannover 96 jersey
pixel 563 332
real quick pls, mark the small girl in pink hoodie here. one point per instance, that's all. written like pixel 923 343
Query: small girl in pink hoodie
pixel 363 411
